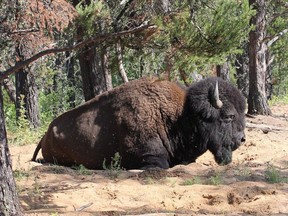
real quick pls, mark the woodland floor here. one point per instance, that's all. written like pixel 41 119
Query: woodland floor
pixel 255 183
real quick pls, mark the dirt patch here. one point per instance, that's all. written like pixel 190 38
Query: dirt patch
pixel 244 187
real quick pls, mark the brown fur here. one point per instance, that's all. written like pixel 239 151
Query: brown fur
pixel 151 123
pixel 117 121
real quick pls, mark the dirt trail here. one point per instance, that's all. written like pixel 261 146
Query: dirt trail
pixel 201 188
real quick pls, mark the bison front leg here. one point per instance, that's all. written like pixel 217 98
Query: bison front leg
pixel 144 153
pixel 155 154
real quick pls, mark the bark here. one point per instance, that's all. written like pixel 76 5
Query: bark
pixel 26 91
pixel 257 100
pixel 269 80
pixel 9 202
pixel 10 88
pixel 242 71
pixel 27 95
pixel 184 77
pixel 161 6
pixel 106 70
pixel 92 65
pixel 71 78
pixel 98 39
pixel 56 108
pixel 120 62
pixel 223 71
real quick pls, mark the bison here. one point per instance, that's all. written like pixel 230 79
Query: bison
pixel 150 123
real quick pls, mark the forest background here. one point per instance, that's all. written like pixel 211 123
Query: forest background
pixel 97 45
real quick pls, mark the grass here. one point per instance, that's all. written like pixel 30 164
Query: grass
pixel 36 187
pixel 244 173
pixel 82 170
pixel 23 136
pixel 150 181
pixel 192 181
pixel 216 179
pixel 56 169
pixel 114 168
pixel 20 174
pixel 21 132
pixel 273 175
pixel 278 100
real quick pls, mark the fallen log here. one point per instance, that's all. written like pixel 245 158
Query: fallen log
pixel 265 128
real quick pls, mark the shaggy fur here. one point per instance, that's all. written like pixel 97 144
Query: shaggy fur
pixel 151 123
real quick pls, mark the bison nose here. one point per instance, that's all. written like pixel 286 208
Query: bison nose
pixel 243 139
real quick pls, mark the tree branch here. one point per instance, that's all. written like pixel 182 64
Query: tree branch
pixel 98 39
pixel 274 39
pixel 23 31
pixel 122 11
pixel 264 127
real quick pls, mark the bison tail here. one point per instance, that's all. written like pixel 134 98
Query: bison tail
pixel 37 150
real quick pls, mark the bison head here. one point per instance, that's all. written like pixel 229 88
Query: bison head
pixel 216 110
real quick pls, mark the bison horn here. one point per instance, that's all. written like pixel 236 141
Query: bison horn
pixel 217 103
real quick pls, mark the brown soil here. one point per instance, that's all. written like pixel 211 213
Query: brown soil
pixel 201 188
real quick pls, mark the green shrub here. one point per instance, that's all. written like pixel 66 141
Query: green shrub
pixel 215 180
pixel 114 168
pixel 192 181
pixel 273 175
pixel 82 170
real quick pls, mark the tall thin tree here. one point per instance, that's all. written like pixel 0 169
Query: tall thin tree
pixel 93 63
pixel 9 203
pixel 257 99
pixel 26 92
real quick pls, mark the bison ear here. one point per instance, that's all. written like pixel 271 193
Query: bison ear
pixel 216 102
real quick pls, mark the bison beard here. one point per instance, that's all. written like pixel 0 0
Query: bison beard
pixel 150 123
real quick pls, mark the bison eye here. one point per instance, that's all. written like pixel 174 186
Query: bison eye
pixel 228 118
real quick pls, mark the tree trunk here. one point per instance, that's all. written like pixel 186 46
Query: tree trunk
pixel 10 88
pixel 26 93
pixel 161 6
pixel 223 71
pixel 94 76
pixel 9 202
pixel 257 100
pixel 120 62
pixel 71 79
pixel 269 78
pixel 93 62
pixel 107 74
pixel 242 71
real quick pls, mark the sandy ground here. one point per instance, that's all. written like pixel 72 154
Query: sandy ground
pixel 255 183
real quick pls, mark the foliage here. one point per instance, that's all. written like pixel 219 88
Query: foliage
pixel 215 180
pixel 20 132
pixel 53 102
pixel 192 36
pixel 209 30
pixel 20 174
pixel 243 173
pixel 192 181
pixel 282 99
pixel 93 18
pixel 199 34
pixel 277 39
pixel 273 175
pixel 190 41
pixel 82 170
pixel 114 167
pixel 57 89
